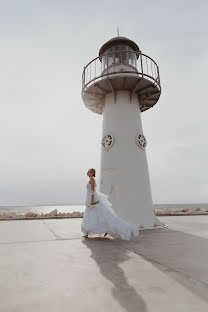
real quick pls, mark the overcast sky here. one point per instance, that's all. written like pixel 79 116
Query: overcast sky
pixel 48 137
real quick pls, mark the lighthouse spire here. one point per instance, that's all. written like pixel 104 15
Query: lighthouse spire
pixel 118 31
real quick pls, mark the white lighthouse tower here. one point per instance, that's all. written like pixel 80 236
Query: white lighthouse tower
pixel 119 84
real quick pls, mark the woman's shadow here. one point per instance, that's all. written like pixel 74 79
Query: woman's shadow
pixel 108 256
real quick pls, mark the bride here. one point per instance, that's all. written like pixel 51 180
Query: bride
pixel 99 216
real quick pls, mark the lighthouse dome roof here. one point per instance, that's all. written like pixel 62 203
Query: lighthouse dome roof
pixel 117 41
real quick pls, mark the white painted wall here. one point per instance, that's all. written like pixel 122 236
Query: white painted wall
pixel 124 169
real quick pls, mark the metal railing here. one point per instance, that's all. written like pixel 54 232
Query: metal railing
pixel 134 63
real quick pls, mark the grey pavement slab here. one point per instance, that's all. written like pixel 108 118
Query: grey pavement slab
pixel 24 231
pixel 46 265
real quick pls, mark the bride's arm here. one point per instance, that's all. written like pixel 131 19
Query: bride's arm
pixel 92 188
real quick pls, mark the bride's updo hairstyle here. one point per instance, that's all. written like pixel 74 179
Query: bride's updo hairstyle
pixel 93 171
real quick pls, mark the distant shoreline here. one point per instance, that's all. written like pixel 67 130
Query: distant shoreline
pixel 157 206
pixel 44 205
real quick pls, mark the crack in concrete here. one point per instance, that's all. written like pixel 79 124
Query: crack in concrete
pixel 38 241
pixel 53 232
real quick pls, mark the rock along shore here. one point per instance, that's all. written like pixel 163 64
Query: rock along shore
pixel 34 215
pixel 76 214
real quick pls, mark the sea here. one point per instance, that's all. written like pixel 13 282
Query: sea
pixel 81 208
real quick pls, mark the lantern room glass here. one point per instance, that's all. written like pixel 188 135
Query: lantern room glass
pixel 119 54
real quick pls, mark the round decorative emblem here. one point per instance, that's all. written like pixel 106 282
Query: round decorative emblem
pixel 141 140
pixel 107 141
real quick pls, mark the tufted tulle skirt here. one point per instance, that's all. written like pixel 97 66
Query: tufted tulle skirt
pixel 101 218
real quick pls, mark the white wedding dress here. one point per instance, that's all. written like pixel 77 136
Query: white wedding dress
pixel 101 218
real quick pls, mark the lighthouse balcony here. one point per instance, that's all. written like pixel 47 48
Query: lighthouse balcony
pixel 121 70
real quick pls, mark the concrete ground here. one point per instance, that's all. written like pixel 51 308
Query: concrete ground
pixel 46 265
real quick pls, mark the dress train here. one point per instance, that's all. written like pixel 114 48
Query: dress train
pixel 101 218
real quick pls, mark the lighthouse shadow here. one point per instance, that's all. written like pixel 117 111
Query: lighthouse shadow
pixel 179 255
pixel 108 257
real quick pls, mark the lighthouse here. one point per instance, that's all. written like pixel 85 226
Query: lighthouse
pixel 120 84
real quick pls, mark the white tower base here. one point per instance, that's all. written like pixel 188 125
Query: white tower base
pixel 124 174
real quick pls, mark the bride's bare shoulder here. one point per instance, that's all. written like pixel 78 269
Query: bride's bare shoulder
pixel 92 180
